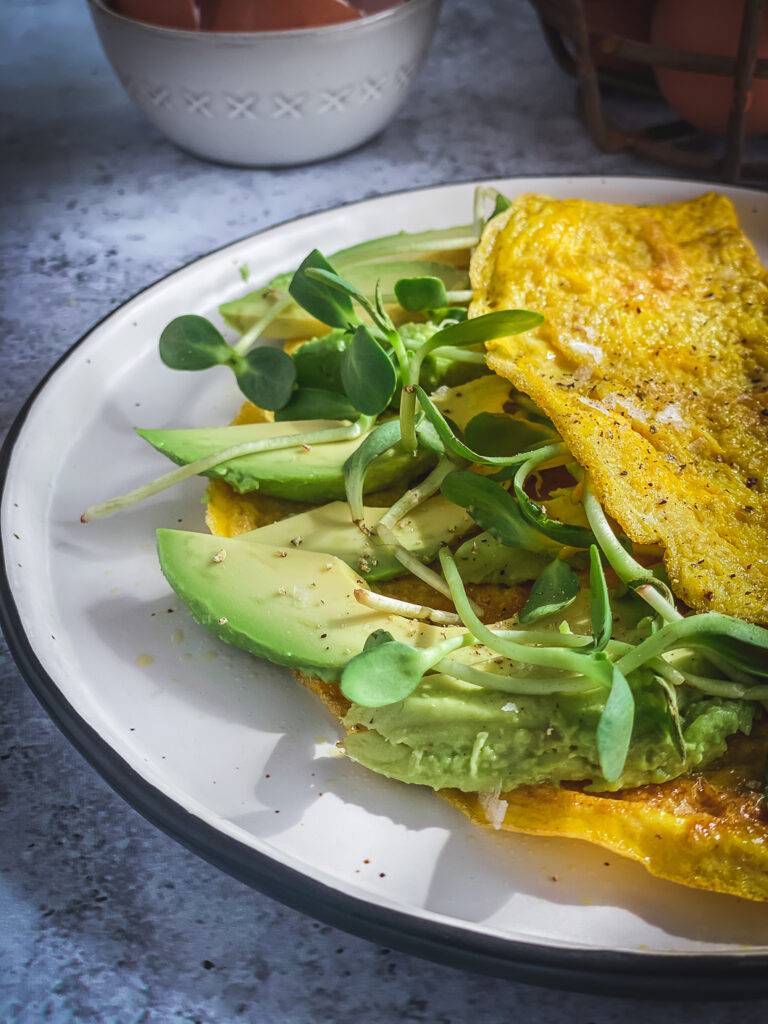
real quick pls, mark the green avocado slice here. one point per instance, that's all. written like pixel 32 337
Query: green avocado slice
pixel 295 608
pixel 330 529
pixel 303 475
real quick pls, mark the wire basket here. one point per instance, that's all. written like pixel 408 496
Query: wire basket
pixel 576 47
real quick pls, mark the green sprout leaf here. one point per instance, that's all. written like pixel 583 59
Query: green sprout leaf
pixel 329 306
pixel 501 203
pixel 556 588
pixel 266 376
pixel 428 436
pixel 496 434
pixel 614 730
pixel 562 533
pixel 453 444
pixel 494 509
pixel 377 638
pixel 743 645
pixel 673 709
pixel 421 294
pixel 316 404
pixel 191 342
pixel 329 282
pixel 501 324
pixel 599 602
pixel 381 439
pixel 368 376
pixel 387 671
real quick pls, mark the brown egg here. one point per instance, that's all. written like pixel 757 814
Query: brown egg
pixel 268 15
pixel 168 13
pixel 707 26
pixel 628 18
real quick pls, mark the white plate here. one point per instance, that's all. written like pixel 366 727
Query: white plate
pixel 233 758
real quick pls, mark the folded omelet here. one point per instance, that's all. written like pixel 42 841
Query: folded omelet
pixel 653 365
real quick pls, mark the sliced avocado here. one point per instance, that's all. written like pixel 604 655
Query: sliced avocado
pixel 294 322
pixel 296 473
pixel 330 529
pixel 293 607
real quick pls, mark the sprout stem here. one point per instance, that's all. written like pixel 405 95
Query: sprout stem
pixel 382 603
pixel 714 687
pixel 455 354
pixel 208 462
pixel 256 330
pixel 413 564
pixel 622 563
pixel 557 658
pixel 514 684
pixel 408 419
pixel 411 499
pixel 658 602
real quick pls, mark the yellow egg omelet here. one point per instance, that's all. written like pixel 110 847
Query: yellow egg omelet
pixel 653 365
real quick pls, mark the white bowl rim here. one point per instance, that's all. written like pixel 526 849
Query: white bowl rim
pixel 207 37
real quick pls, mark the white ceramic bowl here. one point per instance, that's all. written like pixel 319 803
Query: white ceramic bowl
pixel 265 99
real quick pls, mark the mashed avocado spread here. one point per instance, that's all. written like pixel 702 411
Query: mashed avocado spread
pixel 450 734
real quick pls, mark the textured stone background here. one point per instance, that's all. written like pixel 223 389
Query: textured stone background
pixel 103 918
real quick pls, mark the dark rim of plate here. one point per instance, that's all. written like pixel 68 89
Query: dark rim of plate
pixel 604 972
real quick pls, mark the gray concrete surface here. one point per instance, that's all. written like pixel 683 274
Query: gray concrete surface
pixel 102 917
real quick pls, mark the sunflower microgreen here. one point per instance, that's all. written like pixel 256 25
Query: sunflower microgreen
pixel 741 643
pixel 675 718
pixel 266 376
pixel 191 342
pixel 454 445
pixel 599 601
pixel 387 671
pixel 329 306
pixel 368 376
pixel 494 509
pixel 507 644
pixel 499 435
pixel 317 404
pixel 381 439
pixel 554 589
pixel 561 533
pixel 614 730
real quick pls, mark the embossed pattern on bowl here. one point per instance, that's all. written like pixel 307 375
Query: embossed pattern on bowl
pixel 267 99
